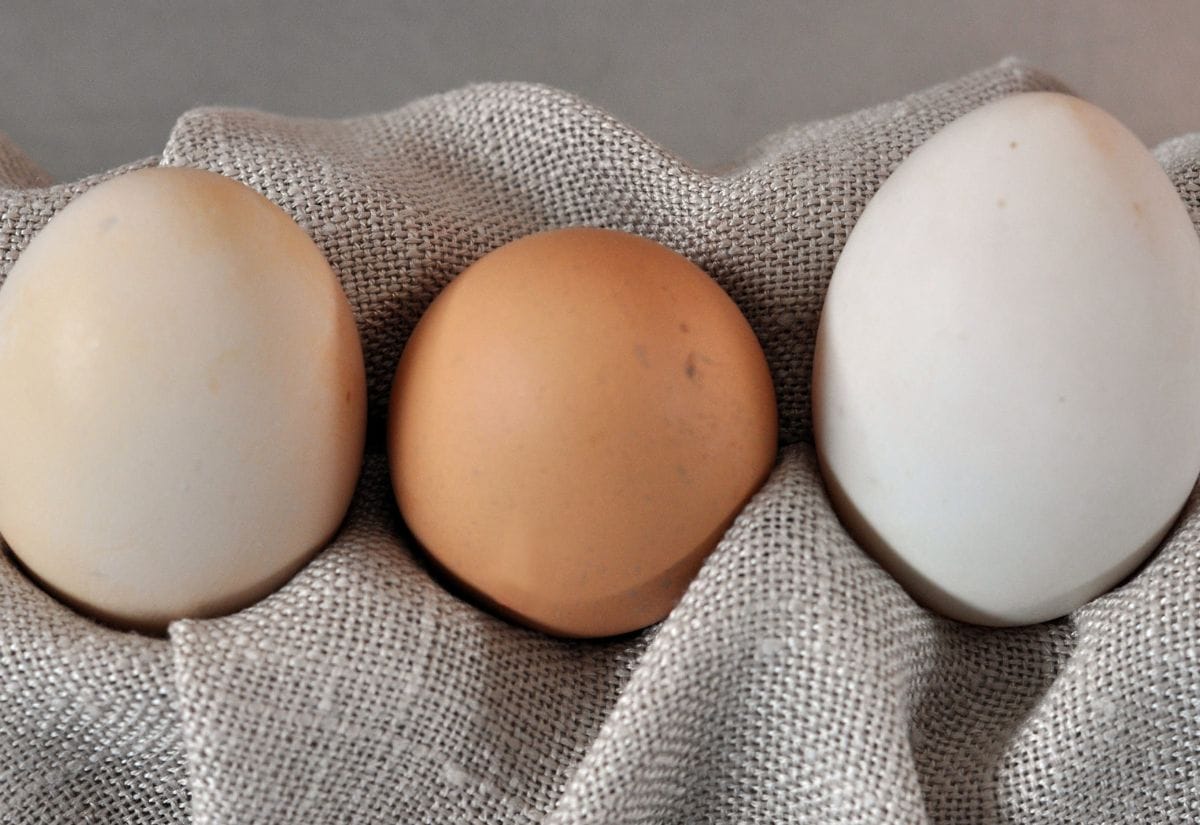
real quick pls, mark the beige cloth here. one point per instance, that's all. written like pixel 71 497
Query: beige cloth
pixel 795 682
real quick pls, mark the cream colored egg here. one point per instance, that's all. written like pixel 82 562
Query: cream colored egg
pixel 182 399
pixel 1006 388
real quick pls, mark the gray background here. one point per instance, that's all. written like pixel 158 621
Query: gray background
pixel 87 86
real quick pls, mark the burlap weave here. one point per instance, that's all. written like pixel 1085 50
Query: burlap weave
pixel 795 682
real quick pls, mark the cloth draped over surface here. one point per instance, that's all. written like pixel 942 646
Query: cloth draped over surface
pixel 795 682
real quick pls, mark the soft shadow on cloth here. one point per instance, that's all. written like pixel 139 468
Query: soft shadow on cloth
pixel 795 682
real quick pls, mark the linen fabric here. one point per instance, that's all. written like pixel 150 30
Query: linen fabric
pixel 795 681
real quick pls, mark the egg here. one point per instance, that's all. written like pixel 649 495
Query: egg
pixel 574 423
pixel 182 399
pixel 1006 385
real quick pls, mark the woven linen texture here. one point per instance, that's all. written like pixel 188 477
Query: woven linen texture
pixel 795 682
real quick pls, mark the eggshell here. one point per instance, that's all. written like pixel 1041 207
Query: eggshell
pixel 574 423
pixel 1006 387
pixel 182 399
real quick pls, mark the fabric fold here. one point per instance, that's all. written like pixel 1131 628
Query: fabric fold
pixel 795 682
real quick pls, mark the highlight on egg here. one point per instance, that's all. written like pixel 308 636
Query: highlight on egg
pixel 574 423
pixel 1006 384
pixel 182 399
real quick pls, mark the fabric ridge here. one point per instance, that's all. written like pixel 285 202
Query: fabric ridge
pixel 795 681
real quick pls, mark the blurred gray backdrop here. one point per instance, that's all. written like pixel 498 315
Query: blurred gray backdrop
pixel 87 86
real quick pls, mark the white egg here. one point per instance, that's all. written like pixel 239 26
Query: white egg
pixel 1006 387
pixel 182 399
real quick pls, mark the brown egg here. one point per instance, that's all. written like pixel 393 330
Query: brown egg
pixel 574 424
